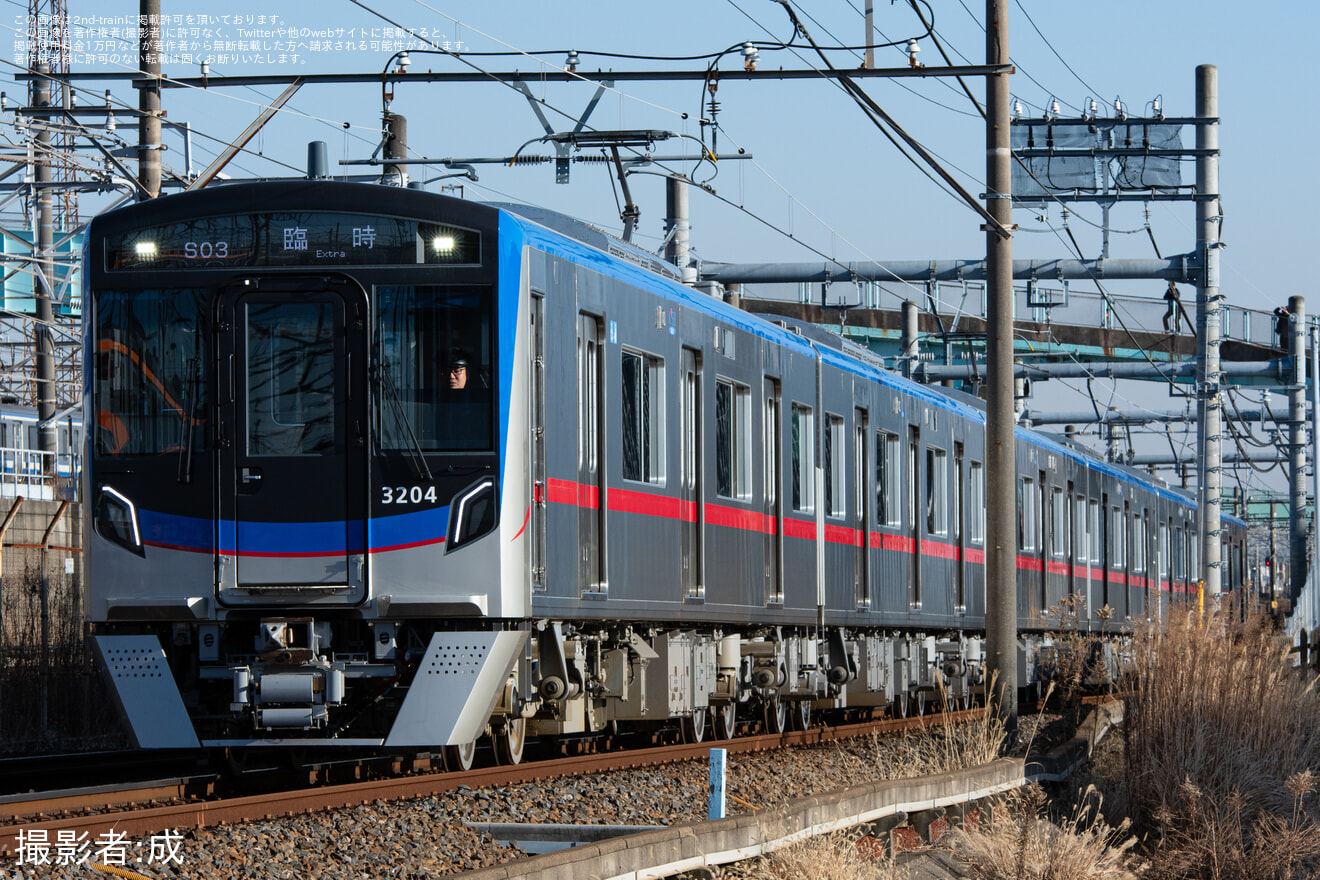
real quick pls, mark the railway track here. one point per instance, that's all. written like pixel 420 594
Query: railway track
pixel 136 816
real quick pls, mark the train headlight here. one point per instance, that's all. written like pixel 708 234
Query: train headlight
pixel 452 245
pixel 117 520
pixel 472 514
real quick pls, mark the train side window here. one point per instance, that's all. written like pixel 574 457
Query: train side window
pixel 976 500
pixel 804 433
pixel 834 462
pixel 1058 524
pixel 887 470
pixel 1118 532
pixel 1138 542
pixel 733 416
pixel 1027 514
pixel 643 410
pixel 1093 530
pixel 1163 550
pixel 937 490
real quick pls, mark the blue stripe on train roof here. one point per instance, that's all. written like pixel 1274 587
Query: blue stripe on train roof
pixel 557 244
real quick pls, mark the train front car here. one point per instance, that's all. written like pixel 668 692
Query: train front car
pixel 298 396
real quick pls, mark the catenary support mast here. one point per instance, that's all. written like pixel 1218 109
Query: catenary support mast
pixel 1001 546
pixel 1209 308
pixel 1297 533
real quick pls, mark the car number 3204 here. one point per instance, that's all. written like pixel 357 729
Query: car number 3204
pixel 407 494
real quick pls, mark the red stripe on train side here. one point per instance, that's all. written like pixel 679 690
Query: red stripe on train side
pixel 799 528
pixel 939 549
pixel 647 503
pixel 561 492
pixel 735 517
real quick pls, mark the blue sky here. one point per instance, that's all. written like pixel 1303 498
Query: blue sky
pixel 820 170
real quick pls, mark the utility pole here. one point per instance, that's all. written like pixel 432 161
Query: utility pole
pixel 678 228
pixel 396 147
pixel 1208 311
pixel 1001 538
pixel 149 100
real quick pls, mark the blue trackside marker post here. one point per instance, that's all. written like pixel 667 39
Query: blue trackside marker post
pixel 717 757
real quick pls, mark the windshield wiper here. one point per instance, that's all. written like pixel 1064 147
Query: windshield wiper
pixel 419 460
pixel 189 410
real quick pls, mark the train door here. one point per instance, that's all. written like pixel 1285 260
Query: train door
pixel 774 504
pixel 292 419
pixel 1046 542
pixel 539 487
pixel 861 512
pixel 691 508
pixel 1070 543
pixel 959 533
pixel 1106 549
pixel 591 502
pixel 913 523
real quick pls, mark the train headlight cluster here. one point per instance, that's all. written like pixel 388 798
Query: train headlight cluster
pixel 442 243
pixel 146 250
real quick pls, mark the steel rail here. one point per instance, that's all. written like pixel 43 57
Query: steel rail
pixel 139 823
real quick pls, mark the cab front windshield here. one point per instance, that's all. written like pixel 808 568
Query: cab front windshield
pixel 149 352
pixel 434 382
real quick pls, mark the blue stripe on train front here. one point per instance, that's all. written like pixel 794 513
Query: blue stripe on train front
pixel 292 539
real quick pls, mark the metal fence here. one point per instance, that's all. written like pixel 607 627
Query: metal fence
pixel 37 475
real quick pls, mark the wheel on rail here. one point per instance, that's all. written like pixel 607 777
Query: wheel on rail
pixel 460 758
pixel 776 715
pixel 802 715
pixel 694 726
pixel 726 721
pixel 510 740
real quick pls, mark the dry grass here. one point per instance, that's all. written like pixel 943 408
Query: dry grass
pixel 1024 845
pixel 1221 736
pixel 828 857
pixel 1217 705
pixel 940 746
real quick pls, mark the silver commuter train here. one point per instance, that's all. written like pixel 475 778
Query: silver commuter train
pixel 376 467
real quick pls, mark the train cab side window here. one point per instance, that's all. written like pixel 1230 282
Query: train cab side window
pixel 887 474
pixel 976 502
pixel 804 446
pixel 835 503
pixel 434 346
pixel 1027 502
pixel 733 415
pixel 643 417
